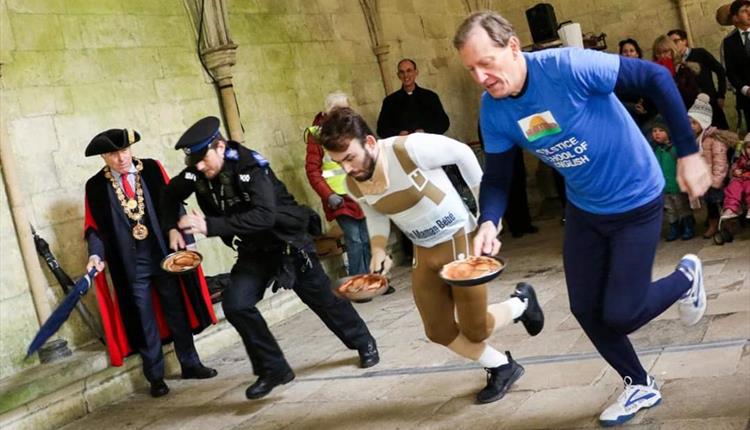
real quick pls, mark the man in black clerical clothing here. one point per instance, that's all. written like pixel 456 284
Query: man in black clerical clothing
pixel 251 210
pixel 123 232
pixel 412 108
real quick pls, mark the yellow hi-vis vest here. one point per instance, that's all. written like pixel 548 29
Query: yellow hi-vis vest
pixel 334 175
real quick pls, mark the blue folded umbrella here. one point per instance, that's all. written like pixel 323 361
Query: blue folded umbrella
pixel 62 313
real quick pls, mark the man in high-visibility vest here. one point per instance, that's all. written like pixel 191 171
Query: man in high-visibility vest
pixel 327 179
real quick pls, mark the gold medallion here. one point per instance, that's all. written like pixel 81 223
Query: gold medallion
pixel 131 204
pixel 140 231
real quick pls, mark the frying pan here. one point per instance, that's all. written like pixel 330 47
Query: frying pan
pixel 483 279
pixel 359 295
pixel 167 262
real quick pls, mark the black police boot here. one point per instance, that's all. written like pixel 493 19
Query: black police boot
pixel 533 317
pixel 390 290
pixel 368 355
pixel 198 372
pixel 159 388
pixel 499 380
pixel 265 384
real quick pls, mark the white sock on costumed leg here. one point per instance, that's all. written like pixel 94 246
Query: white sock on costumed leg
pixel 507 311
pixel 492 357
pixel 486 355
pixel 462 346
pixel 518 306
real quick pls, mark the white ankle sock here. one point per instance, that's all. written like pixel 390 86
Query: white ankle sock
pixel 466 348
pixel 517 306
pixel 502 313
pixel 505 312
pixel 492 357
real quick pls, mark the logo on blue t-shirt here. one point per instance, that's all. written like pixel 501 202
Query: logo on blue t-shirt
pixel 538 125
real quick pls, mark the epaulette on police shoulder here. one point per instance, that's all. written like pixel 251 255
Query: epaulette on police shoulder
pixel 231 154
pixel 262 162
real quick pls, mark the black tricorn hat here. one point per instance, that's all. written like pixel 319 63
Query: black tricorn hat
pixel 112 140
pixel 196 140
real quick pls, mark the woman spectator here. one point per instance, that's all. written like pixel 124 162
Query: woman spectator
pixel 640 108
pixel 685 73
pixel 630 48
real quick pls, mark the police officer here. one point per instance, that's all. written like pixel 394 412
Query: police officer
pixel 251 210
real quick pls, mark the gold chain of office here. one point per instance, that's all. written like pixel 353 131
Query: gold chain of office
pixel 134 208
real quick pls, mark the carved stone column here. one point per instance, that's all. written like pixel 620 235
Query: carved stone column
pixel 380 49
pixel 218 54
pixel 381 53
pixel 219 61
pixel 683 6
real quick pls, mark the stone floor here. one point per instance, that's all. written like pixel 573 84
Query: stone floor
pixel 704 371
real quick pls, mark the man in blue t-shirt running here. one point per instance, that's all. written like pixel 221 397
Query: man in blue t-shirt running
pixel 560 105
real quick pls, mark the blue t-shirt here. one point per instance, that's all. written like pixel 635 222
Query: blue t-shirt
pixel 569 117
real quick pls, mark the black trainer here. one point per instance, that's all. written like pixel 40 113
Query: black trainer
pixel 533 317
pixel 499 380
pixel 264 385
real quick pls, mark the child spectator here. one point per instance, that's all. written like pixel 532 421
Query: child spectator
pixel 713 143
pixel 676 204
pixel 739 184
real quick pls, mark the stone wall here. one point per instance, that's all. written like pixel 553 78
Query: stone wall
pixel 18 321
pixel 72 68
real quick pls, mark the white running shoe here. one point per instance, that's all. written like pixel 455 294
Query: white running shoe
pixel 692 305
pixel 633 399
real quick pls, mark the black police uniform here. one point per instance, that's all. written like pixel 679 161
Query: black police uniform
pixel 250 209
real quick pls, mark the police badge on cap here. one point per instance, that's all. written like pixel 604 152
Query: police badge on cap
pixel 114 139
pixel 196 140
